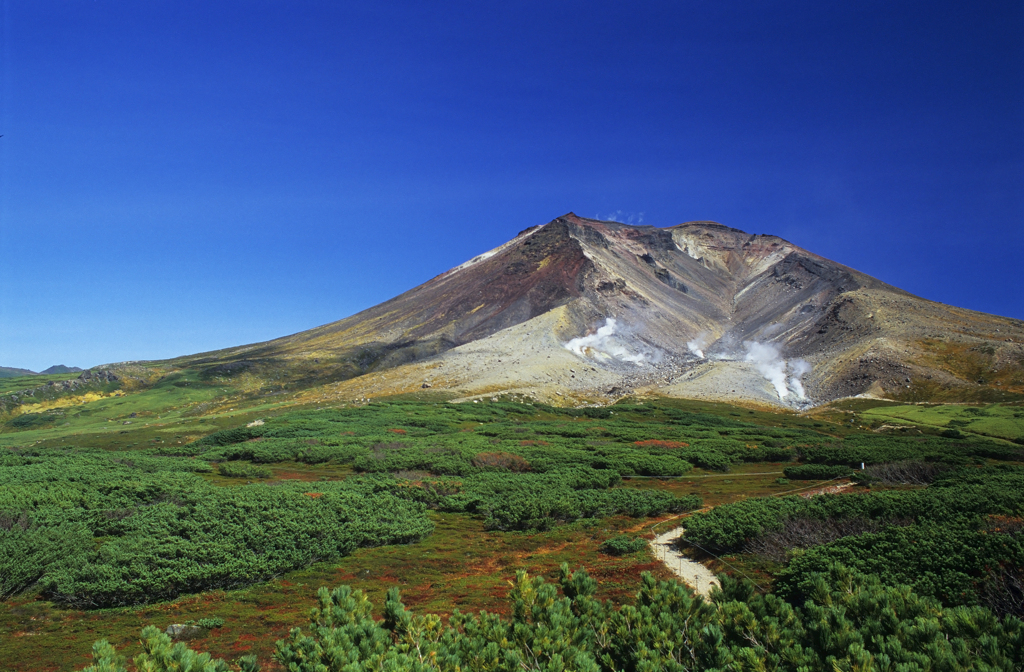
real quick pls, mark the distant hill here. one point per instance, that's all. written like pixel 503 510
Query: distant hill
pixel 9 372
pixel 60 368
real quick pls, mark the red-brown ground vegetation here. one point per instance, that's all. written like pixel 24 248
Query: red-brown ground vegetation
pixel 501 460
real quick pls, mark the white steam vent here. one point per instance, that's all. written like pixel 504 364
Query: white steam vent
pixel 697 345
pixel 602 345
pixel 785 377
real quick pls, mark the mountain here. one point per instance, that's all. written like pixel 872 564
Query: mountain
pixel 60 368
pixel 9 372
pixel 580 310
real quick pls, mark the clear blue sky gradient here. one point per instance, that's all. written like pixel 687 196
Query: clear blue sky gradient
pixel 184 176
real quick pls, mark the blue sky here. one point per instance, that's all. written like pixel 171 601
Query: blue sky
pixel 183 176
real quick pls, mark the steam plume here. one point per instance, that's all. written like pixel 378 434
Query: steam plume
pixel 603 345
pixel 697 345
pixel 622 217
pixel 773 367
pixel 769 364
pixel 797 368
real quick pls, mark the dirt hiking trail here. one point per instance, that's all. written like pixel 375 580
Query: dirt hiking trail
pixel 693 574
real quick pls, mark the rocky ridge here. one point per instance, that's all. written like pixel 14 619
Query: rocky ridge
pixel 89 380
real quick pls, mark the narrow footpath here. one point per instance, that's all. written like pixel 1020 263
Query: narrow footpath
pixel 693 574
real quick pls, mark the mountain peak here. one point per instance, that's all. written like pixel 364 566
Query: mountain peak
pixel 60 368
pixel 581 310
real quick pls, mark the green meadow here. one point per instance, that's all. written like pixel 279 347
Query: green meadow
pixel 1002 421
pixel 193 501
pixel 176 407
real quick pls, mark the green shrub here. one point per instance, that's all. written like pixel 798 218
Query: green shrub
pixel 949 560
pixel 849 622
pixel 96 529
pixel 817 472
pixel 965 493
pixel 623 545
pixel 235 470
pixel 207 623
pixel 32 421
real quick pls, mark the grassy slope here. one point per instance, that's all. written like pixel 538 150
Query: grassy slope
pixel 1003 421
pixel 18 383
pixel 180 406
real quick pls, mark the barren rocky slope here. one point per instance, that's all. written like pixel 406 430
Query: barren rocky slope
pixel 579 311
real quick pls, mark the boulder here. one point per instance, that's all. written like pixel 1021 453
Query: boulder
pixel 182 631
